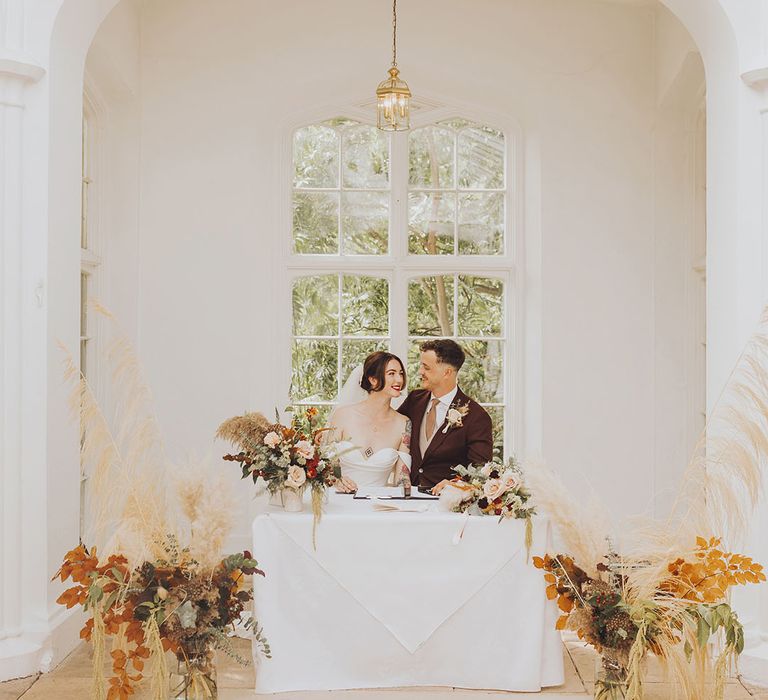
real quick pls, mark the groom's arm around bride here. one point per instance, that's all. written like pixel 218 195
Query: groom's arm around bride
pixel 449 428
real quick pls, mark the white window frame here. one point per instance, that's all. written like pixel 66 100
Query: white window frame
pixel 399 266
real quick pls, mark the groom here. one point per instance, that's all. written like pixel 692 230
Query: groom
pixel 448 428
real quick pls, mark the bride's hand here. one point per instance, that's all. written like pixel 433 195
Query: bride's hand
pixel 345 485
pixel 437 488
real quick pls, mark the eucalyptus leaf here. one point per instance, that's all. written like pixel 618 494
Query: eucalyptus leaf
pixel 702 631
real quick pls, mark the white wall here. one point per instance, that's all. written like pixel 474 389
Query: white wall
pixel 218 82
pixel 46 41
pixel 679 255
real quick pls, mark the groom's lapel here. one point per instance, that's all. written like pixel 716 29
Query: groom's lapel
pixel 439 436
pixel 417 416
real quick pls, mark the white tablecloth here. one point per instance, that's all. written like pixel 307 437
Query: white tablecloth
pixel 388 599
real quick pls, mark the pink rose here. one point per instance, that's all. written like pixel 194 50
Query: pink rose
pixel 296 477
pixel 509 480
pixel 493 488
pixel 272 439
pixel 305 448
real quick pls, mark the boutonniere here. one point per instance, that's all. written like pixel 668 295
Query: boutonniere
pixel 455 417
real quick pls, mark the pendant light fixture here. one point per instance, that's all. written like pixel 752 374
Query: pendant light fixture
pixel 392 95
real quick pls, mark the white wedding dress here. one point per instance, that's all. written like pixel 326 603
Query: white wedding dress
pixel 368 471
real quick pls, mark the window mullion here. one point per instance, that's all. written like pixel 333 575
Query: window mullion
pixel 398 174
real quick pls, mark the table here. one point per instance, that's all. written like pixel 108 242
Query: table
pixel 392 599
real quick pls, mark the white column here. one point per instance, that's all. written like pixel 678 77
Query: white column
pixel 17 656
pixel 754 661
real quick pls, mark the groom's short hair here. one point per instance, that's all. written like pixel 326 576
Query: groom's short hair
pixel 448 352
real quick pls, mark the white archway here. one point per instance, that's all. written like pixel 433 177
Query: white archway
pixel 41 83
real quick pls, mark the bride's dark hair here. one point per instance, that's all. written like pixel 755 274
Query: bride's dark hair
pixel 375 367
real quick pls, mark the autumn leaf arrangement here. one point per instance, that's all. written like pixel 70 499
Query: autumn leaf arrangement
pixel 667 593
pixel 153 577
pixel 622 622
pixel 174 604
pixel 294 456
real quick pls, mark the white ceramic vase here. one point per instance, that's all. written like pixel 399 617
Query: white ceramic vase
pixel 293 500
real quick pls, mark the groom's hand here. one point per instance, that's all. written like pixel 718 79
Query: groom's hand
pixel 345 485
pixel 437 488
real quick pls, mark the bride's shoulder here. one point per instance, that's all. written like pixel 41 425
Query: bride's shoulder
pixel 401 419
pixel 341 413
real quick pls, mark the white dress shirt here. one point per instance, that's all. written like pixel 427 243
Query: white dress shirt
pixel 442 406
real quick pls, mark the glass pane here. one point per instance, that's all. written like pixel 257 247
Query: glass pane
pixel 316 222
pixel 497 417
pixel 84 214
pixel 84 357
pixel 365 223
pixel 354 352
pixel 431 222
pixel 314 364
pixel 481 306
pixel 316 305
pixel 412 366
pixel 83 304
pixel 481 158
pixel 339 122
pixel 430 306
pixel 457 123
pixel 481 223
pixel 365 306
pixel 315 157
pixel 84 168
pixel 365 158
pixel 481 376
pixel 430 158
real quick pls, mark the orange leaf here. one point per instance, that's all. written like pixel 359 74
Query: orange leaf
pixel 551 592
pixel 561 622
pixel 538 562
pixel 565 603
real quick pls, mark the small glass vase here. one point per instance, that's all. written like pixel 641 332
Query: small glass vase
pixel 194 677
pixel 610 679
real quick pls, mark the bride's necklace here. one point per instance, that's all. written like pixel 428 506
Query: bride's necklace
pixel 374 427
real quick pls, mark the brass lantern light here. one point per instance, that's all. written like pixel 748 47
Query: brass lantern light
pixel 393 96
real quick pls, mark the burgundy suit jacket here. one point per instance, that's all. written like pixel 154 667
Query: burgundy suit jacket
pixel 470 443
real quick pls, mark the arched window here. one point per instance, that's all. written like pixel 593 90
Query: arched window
pixel 397 238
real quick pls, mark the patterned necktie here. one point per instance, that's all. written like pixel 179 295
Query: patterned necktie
pixel 429 426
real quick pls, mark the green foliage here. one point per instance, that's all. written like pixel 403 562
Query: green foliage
pixel 709 618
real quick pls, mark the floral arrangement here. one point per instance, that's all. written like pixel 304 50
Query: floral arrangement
pixel 285 457
pixel 490 489
pixel 144 589
pixel 623 622
pixel 173 605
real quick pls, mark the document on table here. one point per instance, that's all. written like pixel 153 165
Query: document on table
pixel 390 492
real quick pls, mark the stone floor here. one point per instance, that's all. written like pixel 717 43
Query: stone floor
pixel 71 681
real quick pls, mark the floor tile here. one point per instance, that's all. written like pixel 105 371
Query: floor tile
pixel 12 690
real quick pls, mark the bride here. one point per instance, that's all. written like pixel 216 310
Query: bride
pixel 372 438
